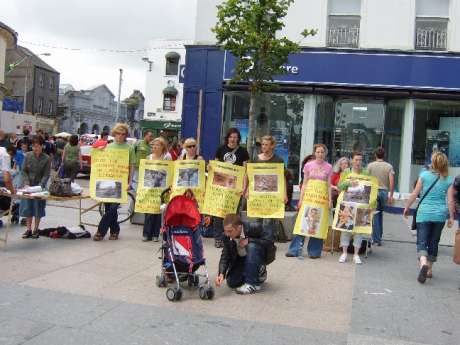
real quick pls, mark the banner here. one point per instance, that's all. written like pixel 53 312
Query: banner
pixel 109 175
pixel 355 206
pixel 266 190
pixel 154 178
pixel 224 188
pixel 189 174
pixel 313 217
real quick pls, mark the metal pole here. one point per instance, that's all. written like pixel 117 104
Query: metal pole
pixel 24 106
pixel 119 95
pixel 200 114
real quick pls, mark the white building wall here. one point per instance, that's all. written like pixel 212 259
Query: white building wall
pixel 2 59
pixel 157 81
pixel 454 26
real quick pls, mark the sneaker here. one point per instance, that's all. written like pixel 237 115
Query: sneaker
pixel 113 237
pixel 155 239
pixel 35 234
pixel 290 255
pixel 343 258
pixel 357 260
pixel 247 289
pixel 262 274
pixel 219 244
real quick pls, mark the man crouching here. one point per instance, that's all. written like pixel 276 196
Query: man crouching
pixel 248 248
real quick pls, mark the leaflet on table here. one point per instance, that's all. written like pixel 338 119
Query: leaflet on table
pixel 266 190
pixel 313 217
pixel 155 176
pixel 355 206
pixel 109 175
pixel 224 188
pixel 189 174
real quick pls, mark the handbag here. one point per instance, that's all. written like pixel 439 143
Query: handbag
pixel 456 257
pixel 414 217
pixel 60 186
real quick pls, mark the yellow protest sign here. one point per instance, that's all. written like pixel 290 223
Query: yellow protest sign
pixel 109 175
pixel 154 177
pixel 223 190
pixel 313 217
pixel 266 190
pixel 189 174
pixel 356 204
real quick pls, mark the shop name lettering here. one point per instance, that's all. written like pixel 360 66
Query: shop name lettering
pixel 289 69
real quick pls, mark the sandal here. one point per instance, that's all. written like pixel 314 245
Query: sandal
pixel 97 237
pixel 113 237
pixel 27 234
pixel 422 275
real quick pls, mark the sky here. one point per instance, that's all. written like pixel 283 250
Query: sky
pixel 92 25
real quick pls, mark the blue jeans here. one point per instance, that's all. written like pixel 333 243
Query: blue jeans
pixel 109 220
pixel 246 269
pixel 428 236
pixel 314 247
pixel 152 225
pixel 377 225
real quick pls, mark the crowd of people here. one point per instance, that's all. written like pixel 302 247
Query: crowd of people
pixel 246 246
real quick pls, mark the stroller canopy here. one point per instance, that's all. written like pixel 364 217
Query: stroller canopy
pixel 182 211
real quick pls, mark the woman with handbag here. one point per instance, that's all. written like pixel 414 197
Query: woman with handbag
pixel 431 213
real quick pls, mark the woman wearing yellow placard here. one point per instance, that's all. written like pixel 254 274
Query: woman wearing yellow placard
pixel 152 223
pixel 317 169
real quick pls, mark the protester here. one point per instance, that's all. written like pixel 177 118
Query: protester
pixel 340 166
pixel 245 254
pixel 191 149
pixel 3 138
pixel 152 223
pixel 102 141
pixel 35 172
pixel 317 169
pixel 231 152
pixel 432 212
pixel 72 158
pixel 142 149
pixel 175 150
pixel 110 218
pixel 385 174
pixel 345 237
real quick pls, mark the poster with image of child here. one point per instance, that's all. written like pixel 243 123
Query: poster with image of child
pixel 189 174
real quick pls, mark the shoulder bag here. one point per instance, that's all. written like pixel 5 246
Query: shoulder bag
pixel 414 218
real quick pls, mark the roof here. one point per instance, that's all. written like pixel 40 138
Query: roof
pixel 14 34
pixel 94 87
pixel 34 59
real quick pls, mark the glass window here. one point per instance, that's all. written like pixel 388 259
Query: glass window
pixel 344 23
pixel 346 7
pixel 51 83
pixel 40 105
pixel 172 63
pixel 41 80
pixel 169 103
pixel 431 33
pixel 432 8
pixel 50 107
pixel 277 114
pixel 394 117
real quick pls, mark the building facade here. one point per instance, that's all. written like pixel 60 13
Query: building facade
pixel 8 40
pixel 377 73
pixel 33 82
pixel 89 111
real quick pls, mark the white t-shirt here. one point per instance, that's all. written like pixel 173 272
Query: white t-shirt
pixel 5 160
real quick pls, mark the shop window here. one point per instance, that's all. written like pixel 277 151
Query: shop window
pixel 279 115
pixel 344 23
pixel 169 103
pixel 172 63
pixel 431 24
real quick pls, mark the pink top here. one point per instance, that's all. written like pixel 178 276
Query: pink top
pixel 317 171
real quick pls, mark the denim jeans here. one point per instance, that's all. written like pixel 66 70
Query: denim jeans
pixel 428 236
pixel 377 225
pixel 109 220
pixel 152 225
pixel 314 247
pixel 246 269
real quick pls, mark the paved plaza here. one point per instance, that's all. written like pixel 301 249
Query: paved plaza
pixel 86 292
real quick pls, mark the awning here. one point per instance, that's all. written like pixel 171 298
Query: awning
pixel 170 90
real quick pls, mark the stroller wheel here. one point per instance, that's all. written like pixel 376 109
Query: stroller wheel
pixel 161 281
pixel 202 292
pixel 206 292
pixel 173 294
pixel 210 293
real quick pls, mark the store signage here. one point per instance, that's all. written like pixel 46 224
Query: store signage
pixel 181 74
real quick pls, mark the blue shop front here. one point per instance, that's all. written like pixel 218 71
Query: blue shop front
pixel 347 99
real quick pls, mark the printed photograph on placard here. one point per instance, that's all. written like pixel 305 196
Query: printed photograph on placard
pixel 359 194
pixel 266 183
pixel 311 220
pixel 188 177
pixel 363 217
pixel 108 189
pixel 155 178
pixel 346 217
pixel 224 180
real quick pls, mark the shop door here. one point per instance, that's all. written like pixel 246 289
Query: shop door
pixel 358 126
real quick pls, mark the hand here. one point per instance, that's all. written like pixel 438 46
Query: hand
pixel 246 194
pixel 219 280
pixel 406 212
pixel 390 200
pixel 450 222
pixel 286 199
pixel 299 205
pixel 243 242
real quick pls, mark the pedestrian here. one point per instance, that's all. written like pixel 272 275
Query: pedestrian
pixel 175 150
pixel 142 149
pixel 191 149
pixel 340 166
pixel 385 175
pixel 25 139
pixel 432 185
pixel 110 218
pixel 152 223
pixel 102 141
pixel 317 169
pixel 71 158
pixel 60 145
pixel 35 172
pixel 345 237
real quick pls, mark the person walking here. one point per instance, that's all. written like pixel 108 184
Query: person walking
pixel 317 169
pixel 152 223
pixel 71 156
pixel 385 175
pixel 110 218
pixel 432 185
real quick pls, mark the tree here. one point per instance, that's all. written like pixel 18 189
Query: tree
pixel 247 29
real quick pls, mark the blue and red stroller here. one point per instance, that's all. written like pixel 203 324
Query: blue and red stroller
pixel 182 249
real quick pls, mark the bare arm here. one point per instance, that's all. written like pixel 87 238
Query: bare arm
pixel 413 196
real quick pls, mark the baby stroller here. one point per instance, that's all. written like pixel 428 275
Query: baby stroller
pixel 182 249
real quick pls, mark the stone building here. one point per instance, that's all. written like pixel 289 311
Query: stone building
pixel 8 39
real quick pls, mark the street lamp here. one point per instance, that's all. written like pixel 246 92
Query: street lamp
pixel 150 62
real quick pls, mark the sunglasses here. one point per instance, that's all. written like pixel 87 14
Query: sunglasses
pixel 191 146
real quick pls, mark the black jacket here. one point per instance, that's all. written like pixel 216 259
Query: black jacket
pixel 255 232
